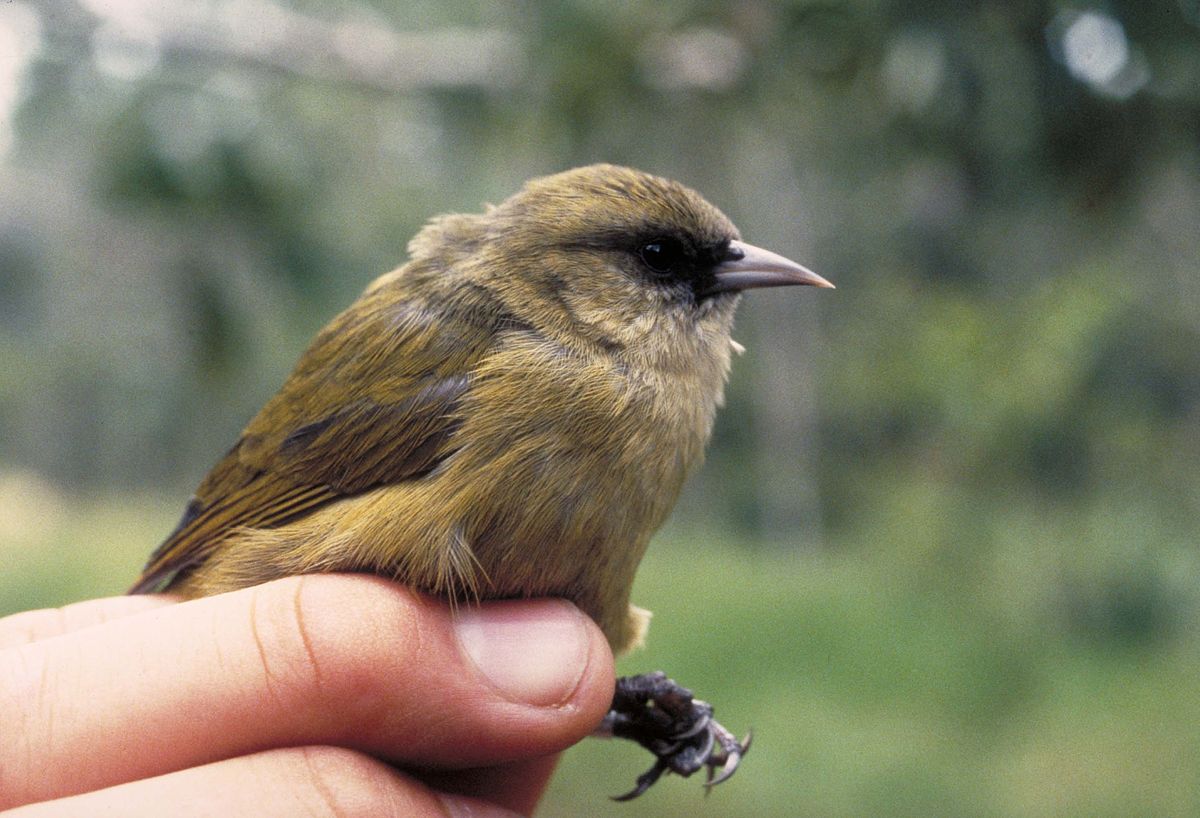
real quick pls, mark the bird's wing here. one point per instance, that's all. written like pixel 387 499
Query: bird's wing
pixel 374 401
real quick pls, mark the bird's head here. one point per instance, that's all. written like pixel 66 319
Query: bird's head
pixel 621 255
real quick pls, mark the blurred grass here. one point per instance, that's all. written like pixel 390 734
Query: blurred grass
pixel 869 694
pixel 60 549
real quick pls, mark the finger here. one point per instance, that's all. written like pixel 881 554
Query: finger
pixel 30 626
pixel 350 661
pixel 316 781
pixel 519 786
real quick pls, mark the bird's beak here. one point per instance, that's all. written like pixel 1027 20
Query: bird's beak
pixel 746 267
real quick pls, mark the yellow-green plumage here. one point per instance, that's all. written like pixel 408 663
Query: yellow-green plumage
pixel 511 413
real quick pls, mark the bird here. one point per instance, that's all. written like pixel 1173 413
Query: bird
pixel 511 413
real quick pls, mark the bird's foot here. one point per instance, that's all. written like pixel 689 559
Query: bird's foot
pixel 679 730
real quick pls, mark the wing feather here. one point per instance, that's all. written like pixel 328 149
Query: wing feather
pixel 375 400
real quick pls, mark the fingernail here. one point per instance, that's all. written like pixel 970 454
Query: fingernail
pixel 472 808
pixel 532 652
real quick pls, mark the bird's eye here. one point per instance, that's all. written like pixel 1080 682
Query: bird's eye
pixel 661 255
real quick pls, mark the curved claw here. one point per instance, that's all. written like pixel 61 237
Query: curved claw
pixel 644 782
pixel 733 758
pixel 701 724
pixel 727 771
pixel 679 730
pixel 710 739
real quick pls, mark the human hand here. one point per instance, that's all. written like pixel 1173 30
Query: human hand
pixel 325 694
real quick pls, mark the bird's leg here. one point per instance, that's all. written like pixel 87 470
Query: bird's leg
pixel 676 728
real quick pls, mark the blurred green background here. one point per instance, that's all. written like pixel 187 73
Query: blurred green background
pixel 943 557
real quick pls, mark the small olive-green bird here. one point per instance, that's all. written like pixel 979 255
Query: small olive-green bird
pixel 512 413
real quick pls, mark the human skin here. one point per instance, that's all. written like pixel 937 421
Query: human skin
pixel 324 695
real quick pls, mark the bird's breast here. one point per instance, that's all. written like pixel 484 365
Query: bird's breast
pixel 572 461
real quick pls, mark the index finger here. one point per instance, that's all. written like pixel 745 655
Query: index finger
pixel 31 626
pixel 348 661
